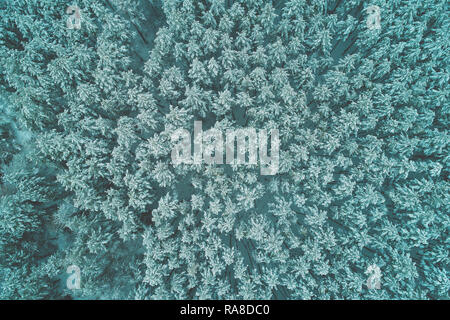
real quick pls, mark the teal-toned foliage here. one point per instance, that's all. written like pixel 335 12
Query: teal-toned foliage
pixel 85 152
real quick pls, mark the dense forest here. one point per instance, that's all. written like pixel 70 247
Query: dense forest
pixel 86 176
